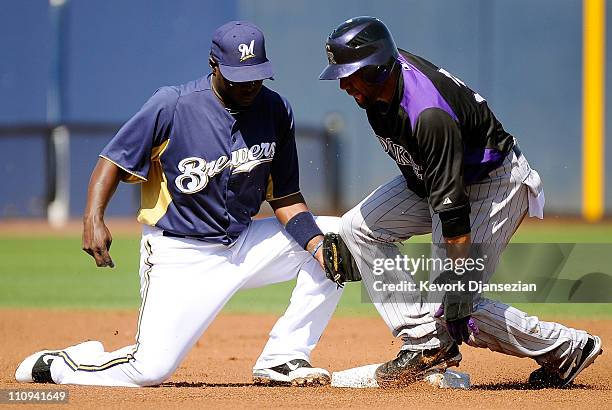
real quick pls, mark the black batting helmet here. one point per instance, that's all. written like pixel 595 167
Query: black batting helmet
pixel 361 42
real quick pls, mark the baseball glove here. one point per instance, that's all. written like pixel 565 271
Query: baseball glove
pixel 340 267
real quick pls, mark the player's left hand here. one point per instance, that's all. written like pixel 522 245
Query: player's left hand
pixel 459 329
pixel 97 240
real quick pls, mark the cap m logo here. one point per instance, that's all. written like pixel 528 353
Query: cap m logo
pixel 246 51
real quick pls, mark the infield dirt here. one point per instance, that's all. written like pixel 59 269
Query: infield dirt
pixel 217 372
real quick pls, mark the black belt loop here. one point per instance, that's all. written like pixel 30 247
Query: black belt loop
pixel 517 150
pixel 172 235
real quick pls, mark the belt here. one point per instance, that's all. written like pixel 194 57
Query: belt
pixel 197 238
pixel 178 235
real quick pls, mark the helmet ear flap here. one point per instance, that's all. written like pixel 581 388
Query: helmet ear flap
pixel 376 74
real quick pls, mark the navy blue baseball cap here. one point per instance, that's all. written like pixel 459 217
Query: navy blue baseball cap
pixel 239 48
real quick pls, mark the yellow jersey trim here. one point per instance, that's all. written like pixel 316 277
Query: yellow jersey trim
pixel 154 195
pixel 131 178
pixel 281 197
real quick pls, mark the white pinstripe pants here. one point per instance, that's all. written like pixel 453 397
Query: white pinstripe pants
pixel 393 213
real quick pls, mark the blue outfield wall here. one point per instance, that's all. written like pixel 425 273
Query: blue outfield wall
pixel 117 54
pixel 524 57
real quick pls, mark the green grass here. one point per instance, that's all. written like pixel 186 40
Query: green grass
pixel 50 272
pixel 55 273
pixel 568 232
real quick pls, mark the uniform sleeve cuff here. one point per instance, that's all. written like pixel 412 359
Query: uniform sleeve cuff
pixel 455 222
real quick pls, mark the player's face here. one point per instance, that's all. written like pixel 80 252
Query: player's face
pixel 235 95
pixel 242 94
pixel 364 93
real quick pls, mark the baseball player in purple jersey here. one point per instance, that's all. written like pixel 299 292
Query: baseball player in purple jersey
pixel 207 154
pixel 464 180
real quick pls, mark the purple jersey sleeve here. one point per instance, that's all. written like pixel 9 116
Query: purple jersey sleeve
pixel 130 149
pixel 284 174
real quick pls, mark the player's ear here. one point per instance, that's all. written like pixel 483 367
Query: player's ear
pixel 213 64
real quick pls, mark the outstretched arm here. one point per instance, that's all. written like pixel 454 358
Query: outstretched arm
pixel 97 238
pixel 288 207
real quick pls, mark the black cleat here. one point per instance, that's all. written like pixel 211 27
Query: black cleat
pixel 410 366
pixel 41 371
pixel 546 377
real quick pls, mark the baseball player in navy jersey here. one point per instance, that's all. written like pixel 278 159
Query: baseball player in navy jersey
pixel 207 154
pixel 464 180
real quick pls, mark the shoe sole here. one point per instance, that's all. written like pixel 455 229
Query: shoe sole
pixel 268 378
pixel 441 368
pixel 309 381
pixel 403 381
pixel 317 380
pixel 597 350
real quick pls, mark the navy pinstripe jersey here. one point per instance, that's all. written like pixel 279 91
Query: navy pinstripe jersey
pixel 442 135
pixel 205 172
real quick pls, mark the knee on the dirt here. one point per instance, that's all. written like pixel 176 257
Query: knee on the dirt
pixel 154 374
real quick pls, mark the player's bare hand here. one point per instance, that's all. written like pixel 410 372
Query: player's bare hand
pixel 458 247
pixel 97 241
pixel 319 257
pixel 315 245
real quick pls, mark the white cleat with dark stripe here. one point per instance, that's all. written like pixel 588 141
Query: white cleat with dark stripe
pixel 36 368
pixel 297 372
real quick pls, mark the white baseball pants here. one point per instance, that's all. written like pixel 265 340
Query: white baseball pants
pixel 184 285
